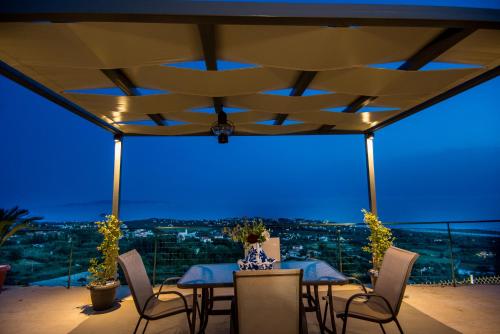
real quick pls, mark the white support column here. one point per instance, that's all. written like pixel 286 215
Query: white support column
pixel 370 169
pixel 117 176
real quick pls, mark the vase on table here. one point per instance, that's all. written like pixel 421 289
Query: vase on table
pixel 256 259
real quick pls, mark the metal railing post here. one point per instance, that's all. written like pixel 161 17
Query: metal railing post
pixel 452 264
pixel 154 260
pixel 339 249
pixel 70 261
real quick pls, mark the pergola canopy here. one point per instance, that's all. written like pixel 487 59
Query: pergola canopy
pixel 331 49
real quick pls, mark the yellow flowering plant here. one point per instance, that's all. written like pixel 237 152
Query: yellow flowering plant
pixel 103 269
pixel 379 240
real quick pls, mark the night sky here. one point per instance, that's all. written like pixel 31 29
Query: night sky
pixel 442 163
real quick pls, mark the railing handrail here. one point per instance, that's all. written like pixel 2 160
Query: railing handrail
pixel 342 255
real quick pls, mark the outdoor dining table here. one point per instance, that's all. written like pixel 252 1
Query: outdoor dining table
pixel 209 276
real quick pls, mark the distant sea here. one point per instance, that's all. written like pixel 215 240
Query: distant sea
pixel 477 229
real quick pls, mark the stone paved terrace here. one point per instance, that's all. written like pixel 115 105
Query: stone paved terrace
pixel 426 309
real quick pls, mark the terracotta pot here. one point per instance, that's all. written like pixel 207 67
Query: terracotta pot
pixel 103 296
pixel 4 268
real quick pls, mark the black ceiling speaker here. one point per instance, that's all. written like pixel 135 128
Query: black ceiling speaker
pixel 222 128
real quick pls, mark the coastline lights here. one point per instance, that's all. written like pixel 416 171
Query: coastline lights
pixel 222 128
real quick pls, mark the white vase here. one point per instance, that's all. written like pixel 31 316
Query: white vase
pixel 255 258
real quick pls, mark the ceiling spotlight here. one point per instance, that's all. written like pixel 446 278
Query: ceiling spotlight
pixel 222 128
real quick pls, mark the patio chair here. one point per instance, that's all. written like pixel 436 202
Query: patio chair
pixel 146 301
pixel 383 304
pixel 268 301
pixel 272 249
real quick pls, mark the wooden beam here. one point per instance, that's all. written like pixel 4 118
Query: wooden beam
pixel 493 73
pixel 325 128
pixel 203 12
pixel 158 119
pixel 359 103
pixel 208 42
pixel 36 87
pixel 280 118
pixel 120 79
pixel 248 134
pixel 439 45
pixel 303 81
pixel 300 86
pixel 218 103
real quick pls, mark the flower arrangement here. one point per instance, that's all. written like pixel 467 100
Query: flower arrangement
pixel 103 270
pixel 379 240
pixel 248 233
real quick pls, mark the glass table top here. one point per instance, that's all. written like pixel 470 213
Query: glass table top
pixel 221 274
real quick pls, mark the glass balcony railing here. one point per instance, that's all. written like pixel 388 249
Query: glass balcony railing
pixel 450 252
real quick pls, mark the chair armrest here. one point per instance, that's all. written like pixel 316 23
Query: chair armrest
pixel 157 294
pixel 168 280
pixel 368 296
pixel 355 280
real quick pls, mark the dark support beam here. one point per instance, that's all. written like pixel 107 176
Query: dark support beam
pixel 359 103
pixel 158 119
pixel 207 36
pixel 325 128
pixel 208 43
pixel 439 45
pixel 218 104
pixel 491 74
pixel 303 81
pixel 25 81
pixel 280 118
pixel 120 79
pixel 209 12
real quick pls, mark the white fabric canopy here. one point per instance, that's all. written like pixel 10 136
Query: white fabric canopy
pixel 71 56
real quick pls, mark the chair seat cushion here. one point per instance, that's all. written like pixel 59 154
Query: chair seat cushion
pixel 159 308
pixel 373 308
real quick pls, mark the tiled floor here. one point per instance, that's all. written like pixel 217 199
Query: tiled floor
pixel 470 309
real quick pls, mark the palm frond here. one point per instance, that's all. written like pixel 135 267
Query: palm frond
pixel 13 220
pixel 12 231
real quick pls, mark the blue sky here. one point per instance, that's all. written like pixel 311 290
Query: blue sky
pixel 442 163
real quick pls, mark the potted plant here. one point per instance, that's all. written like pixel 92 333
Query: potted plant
pixel 251 236
pixel 103 270
pixel 12 221
pixel 379 240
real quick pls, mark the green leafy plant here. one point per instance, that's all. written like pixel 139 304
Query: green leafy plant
pixel 248 233
pixel 103 270
pixel 379 240
pixel 13 220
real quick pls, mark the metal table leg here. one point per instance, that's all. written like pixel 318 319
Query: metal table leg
pixel 195 305
pixel 317 303
pixel 205 305
pixel 330 307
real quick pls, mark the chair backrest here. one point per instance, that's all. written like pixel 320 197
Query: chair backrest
pixel 272 248
pixel 137 278
pixel 393 275
pixel 268 301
